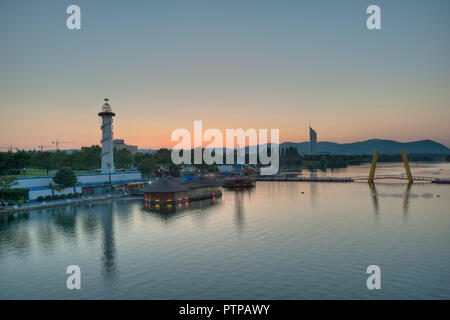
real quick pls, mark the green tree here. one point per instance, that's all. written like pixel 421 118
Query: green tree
pixel 87 158
pixel 147 165
pixel 7 165
pixel 323 162
pixel 6 182
pixel 21 159
pixel 42 161
pixel 123 158
pixel 92 156
pixel 162 157
pixel 174 170
pixel 58 159
pixel 65 177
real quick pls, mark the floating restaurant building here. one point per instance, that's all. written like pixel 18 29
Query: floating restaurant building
pixel 169 190
pixel 203 188
pixel 165 191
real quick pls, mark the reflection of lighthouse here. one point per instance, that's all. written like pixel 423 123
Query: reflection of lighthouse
pixel 239 205
pixel 107 138
pixel 109 248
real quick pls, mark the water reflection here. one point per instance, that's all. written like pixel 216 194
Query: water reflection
pixel 15 233
pixel 64 219
pixel 46 230
pixel 108 245
pixel 239 206
pixel 313 190
pixel 236 244
pixel 169 212
pixel 406 197
pixel 239 209
pixel 376 205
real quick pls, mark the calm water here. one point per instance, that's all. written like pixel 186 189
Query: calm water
pixel 273 242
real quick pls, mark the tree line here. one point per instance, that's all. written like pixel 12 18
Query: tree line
pixel 89 159
pixel 289 157
pixel 85 159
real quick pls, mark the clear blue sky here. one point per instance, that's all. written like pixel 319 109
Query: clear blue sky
pixel 249 64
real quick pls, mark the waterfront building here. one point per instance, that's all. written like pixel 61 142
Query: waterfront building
pixel 88 184
pixel 188 169
pixel 203 188
pixel 165 191
pixel 225 168
pixel 312 141
pixel 168 190
pixel 107 137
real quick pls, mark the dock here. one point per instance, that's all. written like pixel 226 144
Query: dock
pixel 441 180
pixel 304 179
pixel 351 179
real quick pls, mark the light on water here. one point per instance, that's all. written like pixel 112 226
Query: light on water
pixel 281 240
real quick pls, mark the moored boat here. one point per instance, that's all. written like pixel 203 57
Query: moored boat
pixel 239 182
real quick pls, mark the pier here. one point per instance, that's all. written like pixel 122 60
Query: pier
pixel 370 178
pixel 353 179
pixel 304 179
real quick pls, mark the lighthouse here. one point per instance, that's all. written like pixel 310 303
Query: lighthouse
pixel 107 137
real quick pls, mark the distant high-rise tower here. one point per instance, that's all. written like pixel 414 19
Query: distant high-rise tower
pixel 312 140
pixel 107 138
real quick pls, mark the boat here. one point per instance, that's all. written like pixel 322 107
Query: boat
pixel 239 181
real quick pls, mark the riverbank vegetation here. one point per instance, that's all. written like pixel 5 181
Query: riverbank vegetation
pixel 88 159
pixel 40 163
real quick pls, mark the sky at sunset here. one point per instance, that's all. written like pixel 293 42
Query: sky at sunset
pixel 231 64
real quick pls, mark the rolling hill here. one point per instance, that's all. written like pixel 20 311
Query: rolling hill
pixel 368 147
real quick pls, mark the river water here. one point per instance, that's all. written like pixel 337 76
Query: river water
pixel 281 240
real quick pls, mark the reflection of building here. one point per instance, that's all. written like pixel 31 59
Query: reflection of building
pixel 108 245
pixel 312 140
pixel 120 144
pixel 168 211
pixel 107 137
pixel 239 205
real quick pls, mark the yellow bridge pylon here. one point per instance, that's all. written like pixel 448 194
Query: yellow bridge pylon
pixel 373 167
pixel 405 162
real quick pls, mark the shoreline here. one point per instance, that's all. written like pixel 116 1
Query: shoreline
pixel 60 203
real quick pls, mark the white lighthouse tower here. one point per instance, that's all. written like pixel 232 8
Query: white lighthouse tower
pixel 107 138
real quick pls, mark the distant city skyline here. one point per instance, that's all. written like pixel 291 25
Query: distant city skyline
pixel 229 64
pixel 119 144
